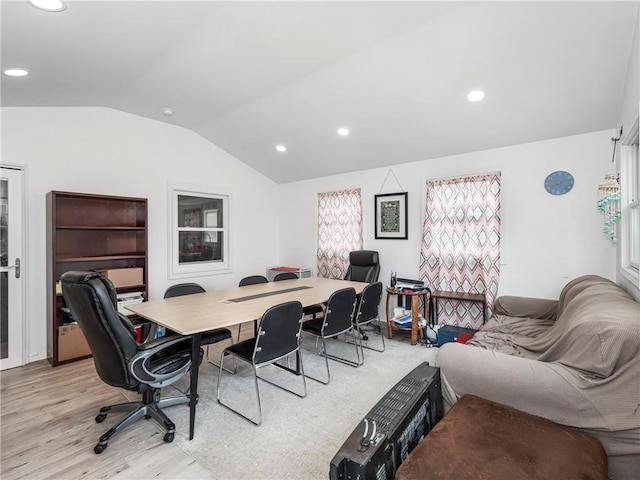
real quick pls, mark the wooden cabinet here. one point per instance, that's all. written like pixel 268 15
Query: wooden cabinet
pixel 90 232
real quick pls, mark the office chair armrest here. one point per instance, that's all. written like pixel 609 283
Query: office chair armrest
pixel 174 364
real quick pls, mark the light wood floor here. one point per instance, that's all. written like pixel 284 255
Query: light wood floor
pixel 48 431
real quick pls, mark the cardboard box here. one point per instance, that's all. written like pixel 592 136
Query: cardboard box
pixel 124 277
pixel 71 343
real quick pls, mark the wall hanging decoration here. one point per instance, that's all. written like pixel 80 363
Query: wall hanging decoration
pixel 391 213
pixel 609 205
pixel 609 198
pixel 391 216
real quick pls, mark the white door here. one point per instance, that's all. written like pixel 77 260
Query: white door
pixel 11 268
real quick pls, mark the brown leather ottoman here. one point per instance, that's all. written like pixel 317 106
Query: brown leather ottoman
pixel 479 439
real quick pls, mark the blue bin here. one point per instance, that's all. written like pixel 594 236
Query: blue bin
pixel 449 333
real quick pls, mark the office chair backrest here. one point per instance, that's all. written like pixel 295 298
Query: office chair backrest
pixel 111 337
pixel 369 303
pixel 339 311
pixel 279 332
pixel 285 276
pixel 364 266
pixel 183 289
pixel 253 280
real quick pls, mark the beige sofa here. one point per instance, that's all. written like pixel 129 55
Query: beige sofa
pixel 575 361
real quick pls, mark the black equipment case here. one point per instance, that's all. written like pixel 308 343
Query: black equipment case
pixel 395 425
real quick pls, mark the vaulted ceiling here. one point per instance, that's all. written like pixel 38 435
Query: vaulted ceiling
pixel 250 75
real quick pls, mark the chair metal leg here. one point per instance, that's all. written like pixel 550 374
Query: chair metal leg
pixel 323 353
pixel 379 334
pixel 229 407
pixel 218 365
pixel 256 377
pixel 359 335
pixel 359 359
pixel 304 382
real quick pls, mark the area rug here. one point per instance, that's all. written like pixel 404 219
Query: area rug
pixel 298 436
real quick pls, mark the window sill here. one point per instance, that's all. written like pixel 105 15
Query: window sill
pixel 631 274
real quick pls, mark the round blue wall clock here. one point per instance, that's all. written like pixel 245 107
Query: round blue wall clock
pixel 559 183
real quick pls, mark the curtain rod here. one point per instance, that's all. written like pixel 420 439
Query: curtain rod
pixel 498 172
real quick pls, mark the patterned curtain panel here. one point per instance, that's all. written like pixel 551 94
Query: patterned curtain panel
pixel 461 244
pixel 339 231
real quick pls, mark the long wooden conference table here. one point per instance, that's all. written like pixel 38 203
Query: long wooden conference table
pixel 192 315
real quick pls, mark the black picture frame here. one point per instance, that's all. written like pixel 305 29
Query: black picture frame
pixel 391 220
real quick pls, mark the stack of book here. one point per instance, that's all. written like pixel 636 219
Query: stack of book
pixel 128 299
pixel 403 321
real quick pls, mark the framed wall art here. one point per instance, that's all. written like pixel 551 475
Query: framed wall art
pixel 391 216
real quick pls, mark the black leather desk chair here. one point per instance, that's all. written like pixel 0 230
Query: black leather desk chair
pixel 119 360
pixel 364 266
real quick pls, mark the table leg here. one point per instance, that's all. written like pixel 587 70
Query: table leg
pixel 389 330
pixel 193 392
pixel 415 311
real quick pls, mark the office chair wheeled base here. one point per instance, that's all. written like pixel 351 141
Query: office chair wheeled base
pixel 150 407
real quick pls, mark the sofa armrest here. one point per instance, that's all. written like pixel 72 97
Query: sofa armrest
pixel 526 307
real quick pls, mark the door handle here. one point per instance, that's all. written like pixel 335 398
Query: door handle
pixel 9 267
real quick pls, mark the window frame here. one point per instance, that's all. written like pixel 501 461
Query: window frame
pixel 630 189
pixel 185 270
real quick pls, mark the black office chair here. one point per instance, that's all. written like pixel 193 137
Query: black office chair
pixel 285 276
pixel 367 312
pixel 364 266
pixel 251 280
pixel 210 337
pixel 119 360
pixel 338 320
pixel 278 337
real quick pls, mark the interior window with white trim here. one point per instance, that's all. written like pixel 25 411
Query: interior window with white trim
pixel 630 183
pixel 200 232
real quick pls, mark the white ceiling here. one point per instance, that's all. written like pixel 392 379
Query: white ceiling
pixel 250 75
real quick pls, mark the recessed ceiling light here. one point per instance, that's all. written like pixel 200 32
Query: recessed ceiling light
pixel 167 112
pixel 49 5
pixel 281 148
pixel 343 131
pixel 15 72
pixel 475 96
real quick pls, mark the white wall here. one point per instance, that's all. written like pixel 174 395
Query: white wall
pixel 103 151
pixel 546 240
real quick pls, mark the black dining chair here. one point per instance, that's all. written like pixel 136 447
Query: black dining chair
pixel 285 276
pixel 251 280
pixel 122 362
pixel 278 337
pixel 366 313
pixel 210 337
pixel 337 320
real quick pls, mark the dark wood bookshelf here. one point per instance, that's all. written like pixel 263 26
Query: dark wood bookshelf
pixel 91 232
